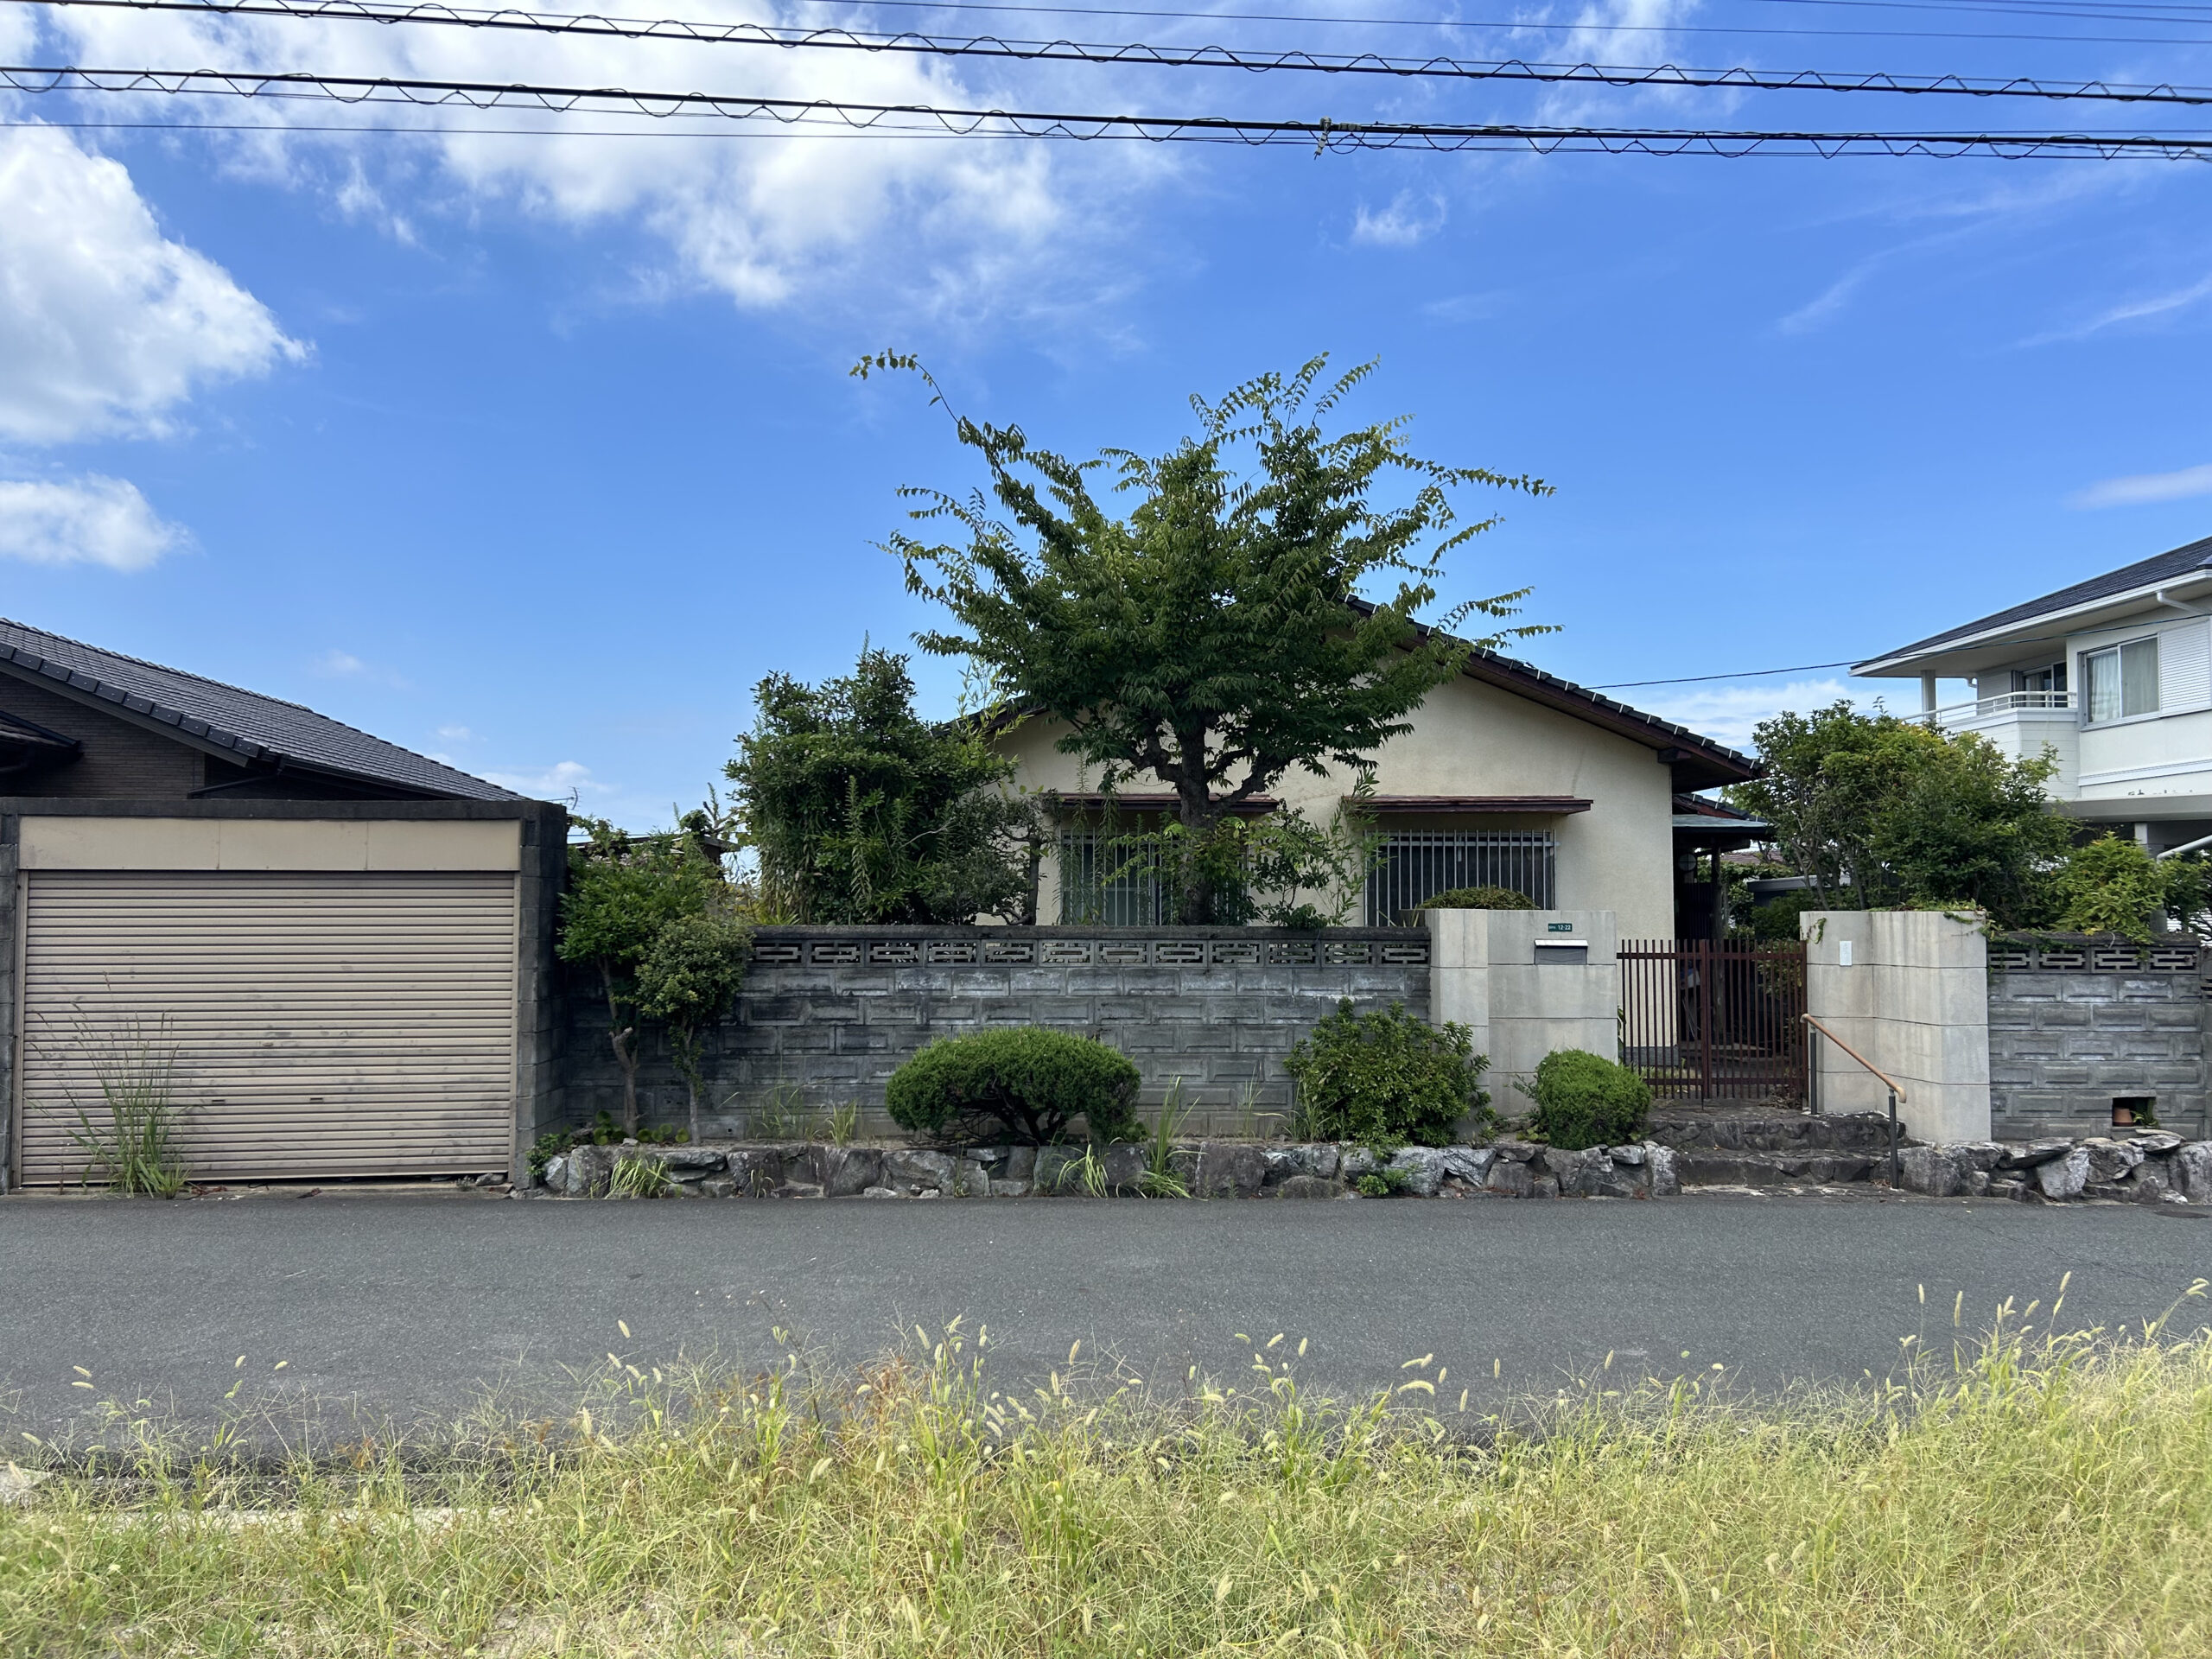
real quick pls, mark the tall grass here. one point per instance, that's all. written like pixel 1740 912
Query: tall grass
pixel 131 1137
pixel 2036 1495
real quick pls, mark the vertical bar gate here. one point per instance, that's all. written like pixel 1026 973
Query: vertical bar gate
pixel 1715 1021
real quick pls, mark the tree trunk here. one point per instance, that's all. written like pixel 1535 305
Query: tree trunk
pixel 1195 904
pixel 625 1038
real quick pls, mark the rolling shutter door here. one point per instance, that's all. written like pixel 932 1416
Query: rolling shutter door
pixel 321 1024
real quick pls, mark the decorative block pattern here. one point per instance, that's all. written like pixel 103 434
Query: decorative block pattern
pixel 2075 1023
pixel 828 1014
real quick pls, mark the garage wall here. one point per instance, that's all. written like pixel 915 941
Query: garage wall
pixel 382 837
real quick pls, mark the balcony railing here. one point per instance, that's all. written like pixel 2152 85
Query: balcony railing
pixel 2005 702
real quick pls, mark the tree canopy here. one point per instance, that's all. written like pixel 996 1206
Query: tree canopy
pixel 1891 812
pixel 1215 635
pixel 862 812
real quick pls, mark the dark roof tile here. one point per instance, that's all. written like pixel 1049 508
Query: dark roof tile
pixel 256 727
pixel 2198 556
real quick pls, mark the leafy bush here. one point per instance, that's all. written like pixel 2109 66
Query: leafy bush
pixel 1034 1082
pixel 1383 1183
pixel 1585 1100
pixel 1479 898
pixel 1384 1079
pixel 2112 886
pixel 1776 919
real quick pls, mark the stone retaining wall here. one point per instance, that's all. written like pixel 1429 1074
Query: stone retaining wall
pixel 2076 1022
pixel 1212 1169
pixel 828 1012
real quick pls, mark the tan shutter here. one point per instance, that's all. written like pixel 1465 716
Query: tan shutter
pixel 321 1024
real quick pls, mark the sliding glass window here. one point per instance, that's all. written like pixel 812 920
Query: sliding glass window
pixel 2121 681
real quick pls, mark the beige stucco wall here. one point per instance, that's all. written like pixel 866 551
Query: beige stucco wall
pixel 1473 739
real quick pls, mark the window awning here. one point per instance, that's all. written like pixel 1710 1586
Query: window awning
pixel 1556 805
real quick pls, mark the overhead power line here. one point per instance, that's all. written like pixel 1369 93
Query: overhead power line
pixel 1324 134
pixel 429 12
pixel 1017 8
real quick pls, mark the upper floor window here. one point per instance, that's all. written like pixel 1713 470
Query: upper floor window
pixel 2122 680
pixel 2052 678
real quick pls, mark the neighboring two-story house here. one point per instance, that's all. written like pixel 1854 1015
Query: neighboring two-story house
pixel 2114 676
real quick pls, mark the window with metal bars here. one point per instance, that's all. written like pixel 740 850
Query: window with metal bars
pixel 1112 880
pixel 1415 867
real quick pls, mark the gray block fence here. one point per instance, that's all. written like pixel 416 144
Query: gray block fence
pixel 2076 1023
pixel 828 1012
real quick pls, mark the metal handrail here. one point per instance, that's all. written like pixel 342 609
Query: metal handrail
pixel 1889 1082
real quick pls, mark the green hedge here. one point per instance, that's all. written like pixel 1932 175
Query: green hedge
pixel 1384 1079
pixel 1585 1100
pixel 1030 1083
pixel 1479 898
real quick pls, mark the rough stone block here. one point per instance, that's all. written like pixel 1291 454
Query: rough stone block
pixel 1126 1167
pixel 2063 1178
pixel 1473 1163
pixel 845 1172
pixel 1544 1187
pixel 1229 1169
pixel 1310 1186
pixel 919 1168
pixel 1512 1178
pixel 1423 1168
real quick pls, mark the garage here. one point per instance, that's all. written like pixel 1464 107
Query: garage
pixel 315 1024
pixel 332 952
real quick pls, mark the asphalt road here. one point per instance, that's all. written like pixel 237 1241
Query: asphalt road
pixel 410 1306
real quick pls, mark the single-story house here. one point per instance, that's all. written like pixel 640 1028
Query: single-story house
pixel 333 952
pixel 1511 777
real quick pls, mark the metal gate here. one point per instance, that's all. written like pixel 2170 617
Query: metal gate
pixel 1715 1021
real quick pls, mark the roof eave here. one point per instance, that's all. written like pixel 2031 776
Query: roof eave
pixel 1907 662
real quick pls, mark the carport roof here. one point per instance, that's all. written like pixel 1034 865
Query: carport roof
pixel 253 730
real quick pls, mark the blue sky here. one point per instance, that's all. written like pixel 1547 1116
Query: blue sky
pixel 536 452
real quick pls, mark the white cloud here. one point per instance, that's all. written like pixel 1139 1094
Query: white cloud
pixel 340 666
pixel 766 213
pixel 105 323
pixel 2157 305
pixel 2145 487
pixel 85 520
pixel 1408 220
pixel 563 780
pixel 455 733
pixel 1727 712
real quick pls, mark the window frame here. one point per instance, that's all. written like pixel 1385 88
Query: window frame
pixel 2116 653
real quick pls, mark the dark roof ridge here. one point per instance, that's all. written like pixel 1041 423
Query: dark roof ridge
pixel 2174 561
pixel 164 668
pixel 289 734
pixel 1584 693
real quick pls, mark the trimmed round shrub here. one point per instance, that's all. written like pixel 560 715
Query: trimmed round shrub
pixel 1479 898
pixel 1585 1100
pixel 1384 1079
pixel 1028 1082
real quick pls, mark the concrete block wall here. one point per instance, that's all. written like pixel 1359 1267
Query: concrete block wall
pixel 1910 991
pixel 2076 1022
pixel 828 1012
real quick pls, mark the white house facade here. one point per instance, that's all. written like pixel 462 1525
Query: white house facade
pixel 2112 676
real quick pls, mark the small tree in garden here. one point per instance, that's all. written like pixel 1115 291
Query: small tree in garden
pixel 624 891
pixel 1585 1100
pixel 2114 885
pixel 1023 1080
pixel 690 972
pixel 1215 637
pixel 862 812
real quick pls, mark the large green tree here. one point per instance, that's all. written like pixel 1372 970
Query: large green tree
pixel 861 810
pixel 1214 635
pixel 1879 811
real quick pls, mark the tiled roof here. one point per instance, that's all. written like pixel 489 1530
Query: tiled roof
pixel 2166 567
pixel 260 731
